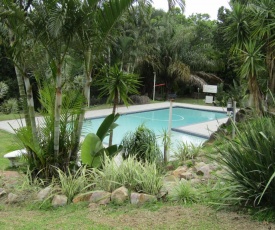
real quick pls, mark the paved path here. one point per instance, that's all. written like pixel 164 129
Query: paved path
pixel 202 129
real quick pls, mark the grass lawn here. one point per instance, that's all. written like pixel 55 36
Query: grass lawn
pixel 4 117
pixel 153 216
pixel 8 143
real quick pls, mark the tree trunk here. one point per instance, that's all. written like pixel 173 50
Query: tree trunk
pixel 114 111
pixel 22 94
pixel 57 111
pixel 256 94
pixel 165 148
pixel 88 73
pixel 30 103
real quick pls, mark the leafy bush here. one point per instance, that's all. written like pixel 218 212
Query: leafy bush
pixel 3 89
pixel 134 175
pixel 73 183
pixel 107 177
pixel 221 97
pixel 184 192
pixel 92 149
pixel 10 106
pixel 139 100
pixel 249 160
pixel 186 151
pixel 149 181
pixel 142 144
pixel 41 157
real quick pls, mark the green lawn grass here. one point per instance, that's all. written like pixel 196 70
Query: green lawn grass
pixel 167 216
pixel 11 116
pixel 8 143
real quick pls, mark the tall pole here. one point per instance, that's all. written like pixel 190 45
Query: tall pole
pixel 154 89
pixel 170 125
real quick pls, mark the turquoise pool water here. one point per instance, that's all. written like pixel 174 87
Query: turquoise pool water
pixel 157 120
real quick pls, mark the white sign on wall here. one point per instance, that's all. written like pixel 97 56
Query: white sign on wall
pixel 210 89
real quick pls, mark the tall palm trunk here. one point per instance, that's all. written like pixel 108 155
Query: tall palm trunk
pixel 86 91
pixel 88 73
pixel 114 112
pixel 30 103
pixel 22 94
pixel 256 97
pixel 57 111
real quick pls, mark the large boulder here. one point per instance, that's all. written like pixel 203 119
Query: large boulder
pixel 202 169
pixel 82 197
pixel 199 165
pixel 120 195
pixel 100 197
pixel 179 171
pixel 2 192
pixel 170 178
pixel 187 175
pixel 44 193
pixel 59 200
pixel 12 198
pixel 141 198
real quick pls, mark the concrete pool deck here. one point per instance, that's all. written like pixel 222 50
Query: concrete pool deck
pixel 204 129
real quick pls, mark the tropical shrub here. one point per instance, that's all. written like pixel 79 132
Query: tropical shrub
pixel 92 150
pixel 72 183
pixel 40 147
pixel 134 175
pixel 139 100
pixel 10 106
pixel 184 192
pixel 221 97
pixel 186 151
pixel 3 89
pixel 249 160
pixel 142 143
pixel 166 141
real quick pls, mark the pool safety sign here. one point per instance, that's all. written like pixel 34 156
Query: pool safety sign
pixel 210 89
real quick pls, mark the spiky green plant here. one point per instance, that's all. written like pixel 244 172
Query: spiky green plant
pixel 3 89
pixel 73 183
pixel 10 106
pixel 40 157
pixel 142 143
pixel 184 192
pixel 149 181
pixel 185 151
pixel 107 178
pixel 249 160
pixel 134 175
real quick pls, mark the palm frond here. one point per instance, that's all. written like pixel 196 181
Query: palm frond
pixel 180 70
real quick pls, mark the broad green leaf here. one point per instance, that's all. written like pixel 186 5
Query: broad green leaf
pixel 91 146
pixel 106 125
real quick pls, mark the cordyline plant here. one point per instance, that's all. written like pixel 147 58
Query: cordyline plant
pixel 249 160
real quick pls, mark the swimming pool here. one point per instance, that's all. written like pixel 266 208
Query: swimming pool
pixel 157 120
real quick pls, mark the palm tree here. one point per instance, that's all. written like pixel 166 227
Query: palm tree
pixel 251 66
pixel 263 28
pixel 54 26
pixel 19 43
pixel 173 3
pixel 117 85
pixel 238 31
pixel 59 24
